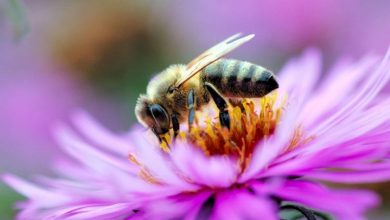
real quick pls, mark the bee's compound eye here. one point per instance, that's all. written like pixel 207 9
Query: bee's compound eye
pixel 160 116
pixel 158 112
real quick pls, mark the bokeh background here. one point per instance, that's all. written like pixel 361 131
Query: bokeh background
pixel 58 56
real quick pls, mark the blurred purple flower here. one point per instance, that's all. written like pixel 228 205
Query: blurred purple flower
pixel 284 27
pixel 347 130
pixel 33 95
pixel 35 92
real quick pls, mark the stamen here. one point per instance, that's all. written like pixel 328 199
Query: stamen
pixel 298 139
pixel 144 173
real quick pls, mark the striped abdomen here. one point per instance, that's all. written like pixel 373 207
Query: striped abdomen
pixel 235 78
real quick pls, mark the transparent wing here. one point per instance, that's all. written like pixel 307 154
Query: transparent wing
pixel 213 54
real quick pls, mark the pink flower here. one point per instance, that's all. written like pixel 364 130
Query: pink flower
pixel 335 129
pixel 30 87
pixel 283 27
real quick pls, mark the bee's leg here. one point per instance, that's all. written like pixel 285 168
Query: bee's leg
pixel 175 125
pixel 221 104
pixel 191 108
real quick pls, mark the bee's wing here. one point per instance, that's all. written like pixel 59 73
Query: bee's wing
pixel 212 55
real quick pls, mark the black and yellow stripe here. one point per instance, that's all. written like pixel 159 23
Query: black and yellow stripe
pixel 235 78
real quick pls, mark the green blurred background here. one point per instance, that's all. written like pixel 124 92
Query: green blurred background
pixel 57 56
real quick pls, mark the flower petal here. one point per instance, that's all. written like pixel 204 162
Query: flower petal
pixel 356 126
pixel 336 88
pixel 95 211
pixel 157 162
pixel 361 99
pixel 181 206
pixel 237 205
pixel 38 195
pixel 344 204
pixel 87 154
pixel 369 176
pixel 213 171
pixel 99 135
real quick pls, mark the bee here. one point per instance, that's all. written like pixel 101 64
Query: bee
pixel 173 96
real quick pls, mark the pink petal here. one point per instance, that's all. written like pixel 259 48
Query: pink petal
pixel 157 162
pixel 94 211
pixel 39 196
pixel 354 127
pixel 118 174
pixel 88 154
pixel 335 89
pixel 344 204
pixel 237 205
pixel 369 176
pixel 213 171
pixel 353 153
pixel 361 99
pixel 182 206
pixel 99 135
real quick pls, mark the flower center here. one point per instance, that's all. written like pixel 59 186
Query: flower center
pixel 251 121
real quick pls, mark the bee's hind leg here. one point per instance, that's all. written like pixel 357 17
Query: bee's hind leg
pixel 191 107
pixel 221 104
pixel 175 125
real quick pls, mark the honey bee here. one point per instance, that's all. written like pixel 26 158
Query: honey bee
pixel 173 95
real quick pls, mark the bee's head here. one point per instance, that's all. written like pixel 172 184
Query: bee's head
pixel 152 115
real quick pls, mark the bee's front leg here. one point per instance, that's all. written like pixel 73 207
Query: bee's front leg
pixel 191 107
pixel 175 125
pixel 221 104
